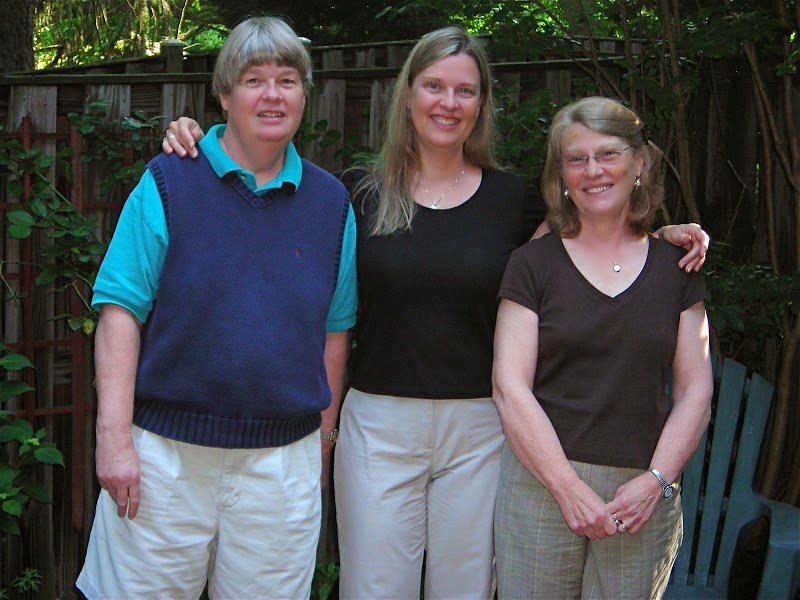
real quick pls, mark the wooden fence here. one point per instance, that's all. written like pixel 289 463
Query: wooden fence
pixel 351 92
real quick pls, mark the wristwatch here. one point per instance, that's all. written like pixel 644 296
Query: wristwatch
pixel 330 436
pixel 669 488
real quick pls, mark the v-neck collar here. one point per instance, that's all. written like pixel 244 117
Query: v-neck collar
pixel 589 287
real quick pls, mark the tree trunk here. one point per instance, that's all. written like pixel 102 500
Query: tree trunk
pixel 16 35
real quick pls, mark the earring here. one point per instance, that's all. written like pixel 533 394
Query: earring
pixel 566 193
pixel 637 182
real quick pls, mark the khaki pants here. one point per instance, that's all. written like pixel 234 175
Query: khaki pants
pixel 416 476
pixel 538 556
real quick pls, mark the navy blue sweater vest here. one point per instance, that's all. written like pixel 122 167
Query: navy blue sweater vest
pixel 232 353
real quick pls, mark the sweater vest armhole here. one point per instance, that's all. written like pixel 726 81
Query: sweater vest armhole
pixel 342 230
pixel 158 176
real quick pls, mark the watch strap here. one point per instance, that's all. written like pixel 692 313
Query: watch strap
pixel 330 436
pixel 666 486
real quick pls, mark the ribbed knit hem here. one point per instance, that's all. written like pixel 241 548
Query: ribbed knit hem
pixel 221 432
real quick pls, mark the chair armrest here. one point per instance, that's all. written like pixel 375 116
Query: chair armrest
pixel 780 578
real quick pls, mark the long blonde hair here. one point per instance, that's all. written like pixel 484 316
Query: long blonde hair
pixel 387 182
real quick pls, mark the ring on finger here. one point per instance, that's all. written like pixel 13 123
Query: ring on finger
pixel 170 135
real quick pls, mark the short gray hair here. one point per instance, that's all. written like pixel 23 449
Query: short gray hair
pixel 257 41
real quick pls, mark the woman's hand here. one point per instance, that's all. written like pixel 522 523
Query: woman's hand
pixel 634 503
pixel 585 513
pixel 181 137
pixel 691 237
pixel 117 465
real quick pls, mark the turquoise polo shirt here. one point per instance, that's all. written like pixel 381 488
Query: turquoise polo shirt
pixel 130 271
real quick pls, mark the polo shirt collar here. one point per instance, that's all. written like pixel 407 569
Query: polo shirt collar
pixel 290 173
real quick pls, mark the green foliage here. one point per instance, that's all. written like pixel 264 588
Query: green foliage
pixel 69 253
pixel 21 450
pixel 103 143
pixel 29 581
pixel 325 579
pixel 748 304
pixel 350 153
pixel 26 584
pixel 522 128
pixel 76 32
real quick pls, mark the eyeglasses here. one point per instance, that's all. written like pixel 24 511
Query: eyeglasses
pixel 604 158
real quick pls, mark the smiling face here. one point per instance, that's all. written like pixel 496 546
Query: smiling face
pixel 266 104
pixel 445 102
pixel 598 188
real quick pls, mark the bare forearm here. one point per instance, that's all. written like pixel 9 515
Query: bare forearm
pixel 681 434
pixel 692 387
pixel 531 436
pixel 337 345
pixel 116 359
pixel 535 444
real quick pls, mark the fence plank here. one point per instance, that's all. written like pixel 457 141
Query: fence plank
pixel 182 99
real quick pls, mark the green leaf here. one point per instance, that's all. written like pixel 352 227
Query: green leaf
pixel 75 323
pixel 7 476
pixel 35 491
pixel 49 455
pixel 19 232
pixel 12 507
pixel 8 525
pixel 46 277
pixel 95 248
pixel 130 124
pixel 38 208
pixel 9 389
pixel 19 431
pixel 15 362
pixel 20 217
pixel 45 161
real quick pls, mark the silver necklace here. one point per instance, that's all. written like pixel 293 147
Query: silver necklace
pixel 616 267
pixel 435 203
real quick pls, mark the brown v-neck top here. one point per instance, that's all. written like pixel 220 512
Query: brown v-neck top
pixel 603 362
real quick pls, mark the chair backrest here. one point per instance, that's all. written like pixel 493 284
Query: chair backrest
pixel 717 485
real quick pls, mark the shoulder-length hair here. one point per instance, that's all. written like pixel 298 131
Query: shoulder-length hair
pixel 608 117
pixel 257 41
pixel 387 184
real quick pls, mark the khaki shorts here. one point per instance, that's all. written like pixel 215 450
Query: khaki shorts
pixel 247 521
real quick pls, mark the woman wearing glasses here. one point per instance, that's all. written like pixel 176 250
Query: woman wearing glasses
pixel 592 318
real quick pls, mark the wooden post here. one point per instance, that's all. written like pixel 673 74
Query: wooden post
pixel 172 51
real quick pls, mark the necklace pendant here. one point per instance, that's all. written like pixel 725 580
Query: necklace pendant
pixel 616 267
pixel 434 207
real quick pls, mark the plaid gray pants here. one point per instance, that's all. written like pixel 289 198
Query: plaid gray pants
pixel 538 556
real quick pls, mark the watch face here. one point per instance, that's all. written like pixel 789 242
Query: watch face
pixel 668 491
